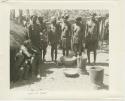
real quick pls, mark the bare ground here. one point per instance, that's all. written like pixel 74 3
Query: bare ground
pixel 53 78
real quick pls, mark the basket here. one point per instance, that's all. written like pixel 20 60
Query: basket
pixel 71 73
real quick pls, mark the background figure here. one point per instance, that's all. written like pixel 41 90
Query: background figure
pixel 34 33
pixel 65 35
pixel 53 37
pixel 91 37
pixel 43 37
pixel 78 33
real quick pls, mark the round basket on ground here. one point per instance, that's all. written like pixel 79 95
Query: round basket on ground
pixel 68 61
pixel 71 73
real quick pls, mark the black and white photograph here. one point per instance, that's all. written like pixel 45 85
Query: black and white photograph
pixel 59 50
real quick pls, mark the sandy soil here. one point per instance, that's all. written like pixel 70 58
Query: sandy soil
pixel 53 78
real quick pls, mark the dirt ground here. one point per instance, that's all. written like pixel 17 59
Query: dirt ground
pixel 53 78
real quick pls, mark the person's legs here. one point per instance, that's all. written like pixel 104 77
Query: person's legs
pixel 64 45
pixel 68 46
pixel 26 69
pixel 41 51
pixel 30 69
pixel 55 51
pixel 60 44
pixel 44 53
pixel 67 51
pixel 88 55
pixel 44 50
pixel 75 49
pixel 52 52
pixel 94 55
pixel 63 51
pixel 38 64
pixel 80 49
pixel 34 59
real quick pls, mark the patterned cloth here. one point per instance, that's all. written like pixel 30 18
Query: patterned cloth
pixel 65 35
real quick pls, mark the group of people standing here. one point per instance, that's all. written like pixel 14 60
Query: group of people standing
pixel 77 37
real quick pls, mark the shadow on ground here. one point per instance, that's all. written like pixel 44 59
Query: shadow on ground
pixel 104 86
pixel 98 64
pixel 44 72
pixel 20 83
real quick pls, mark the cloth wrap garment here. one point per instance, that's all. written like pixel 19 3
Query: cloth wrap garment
pixel 65 35
pixel 92 36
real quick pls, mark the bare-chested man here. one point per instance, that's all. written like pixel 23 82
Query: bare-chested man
pixel 65 35
pixel 78 36
pixel 91 37
pixel 53 38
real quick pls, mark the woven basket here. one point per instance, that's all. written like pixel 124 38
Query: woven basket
pixel 71 73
